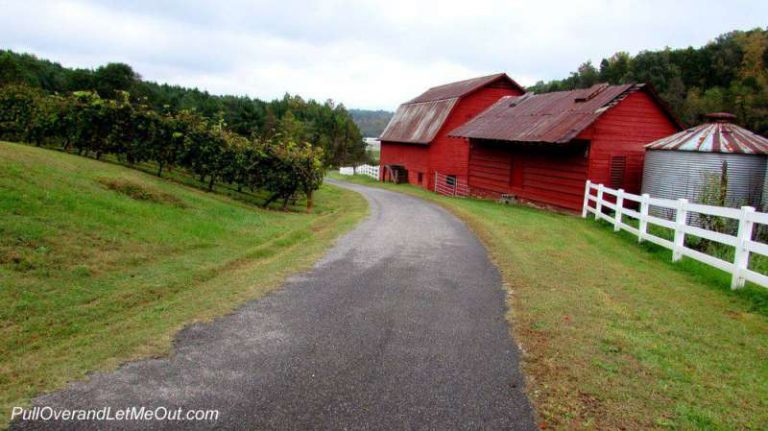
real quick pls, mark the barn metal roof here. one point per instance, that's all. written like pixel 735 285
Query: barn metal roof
pixel 718 135
pixel 556 117
pixel 462 88
pixel 420 119
pixel 418 123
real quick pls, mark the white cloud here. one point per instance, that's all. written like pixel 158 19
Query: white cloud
pixel 362 53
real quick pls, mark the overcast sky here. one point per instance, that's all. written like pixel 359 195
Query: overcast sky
pixel 365 54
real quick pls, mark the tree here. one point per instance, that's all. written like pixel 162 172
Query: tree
pixel 311 172
pixel 279 176
pixel 63 128
pixel 146 136
pixel 587 75
pixel 19 107
pixel 92 123
pixel 615 68
pixel 45 120
pixel 167 145
pixel 11 71
pixel 199 144
pixel 122 135
pixel 110 80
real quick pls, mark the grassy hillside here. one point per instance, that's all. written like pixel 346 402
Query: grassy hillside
pixel 615 336
pixel 100 264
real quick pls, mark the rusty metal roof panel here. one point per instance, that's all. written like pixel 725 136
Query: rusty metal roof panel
pixel 418 123
pixel 461 88
pixel 556 117
pixel 714 137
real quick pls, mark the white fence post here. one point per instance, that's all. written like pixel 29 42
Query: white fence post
pixel 645 202
pixel 599 204
pixel 741 258
pixel 586 200
pixel 681 218
pixel 619 207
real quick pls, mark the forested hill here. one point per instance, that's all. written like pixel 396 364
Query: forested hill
pixel 371 123
pixel 728 74
pixel 323 124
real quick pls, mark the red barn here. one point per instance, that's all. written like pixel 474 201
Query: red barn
pixel 542 148
pixel 416 144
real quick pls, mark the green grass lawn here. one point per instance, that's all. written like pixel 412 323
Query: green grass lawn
pixel 615 336
pixel 100 264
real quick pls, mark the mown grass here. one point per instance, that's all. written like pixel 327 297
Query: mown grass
pixel 100 264
pixel 614 335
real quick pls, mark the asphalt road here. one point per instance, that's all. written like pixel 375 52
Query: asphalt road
pixel 400 326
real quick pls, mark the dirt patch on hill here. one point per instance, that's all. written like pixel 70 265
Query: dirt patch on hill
pixel 140 192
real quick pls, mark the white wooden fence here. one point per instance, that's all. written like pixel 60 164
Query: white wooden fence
pixel 371 171
pixel 619 201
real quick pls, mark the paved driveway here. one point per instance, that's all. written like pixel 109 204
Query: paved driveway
pixel 400 326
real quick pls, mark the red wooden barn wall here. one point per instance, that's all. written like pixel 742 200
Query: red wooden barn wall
pixel 554 174
pixel 414 157
pixel 624 131
pixel 450 155
pixel 447 155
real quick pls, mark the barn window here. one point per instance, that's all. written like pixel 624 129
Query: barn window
pixel 421 177
pixel 618 169
pixel 450 180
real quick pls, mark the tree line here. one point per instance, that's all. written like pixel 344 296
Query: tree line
pixel 134 132
pixel 728 74
pixel 325 125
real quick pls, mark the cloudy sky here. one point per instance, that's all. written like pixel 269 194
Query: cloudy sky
pixel 365 54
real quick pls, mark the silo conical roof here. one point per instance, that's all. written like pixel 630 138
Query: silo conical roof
pixel 717 135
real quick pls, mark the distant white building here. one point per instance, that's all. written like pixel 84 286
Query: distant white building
pixel 372 143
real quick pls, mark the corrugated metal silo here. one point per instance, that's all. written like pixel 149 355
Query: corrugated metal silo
pixel 764 204
pixel 696 162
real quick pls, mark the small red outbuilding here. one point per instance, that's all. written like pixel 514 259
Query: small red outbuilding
pixel 543 147
pixel 415 145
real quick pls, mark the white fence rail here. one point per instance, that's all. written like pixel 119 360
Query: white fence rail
pixel 597 198
pixel 371 171
pixel 450 185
